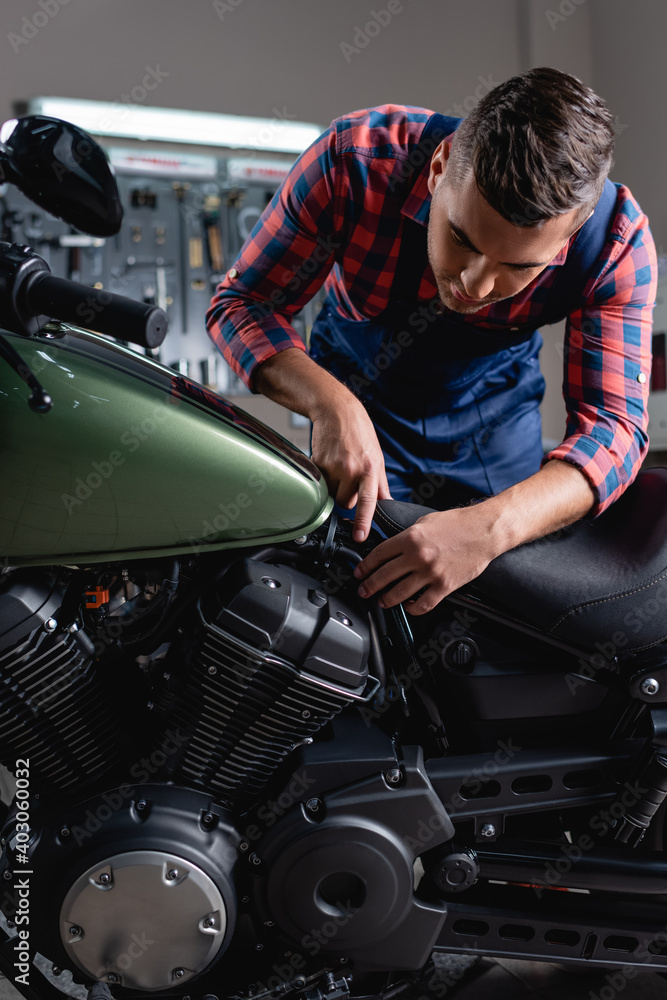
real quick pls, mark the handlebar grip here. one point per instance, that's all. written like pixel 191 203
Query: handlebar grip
pixel 96 309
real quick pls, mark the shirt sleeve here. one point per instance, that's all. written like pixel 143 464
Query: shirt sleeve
pixel 607 366
pixel 282 264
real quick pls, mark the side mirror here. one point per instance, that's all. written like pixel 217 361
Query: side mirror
pixel 63 170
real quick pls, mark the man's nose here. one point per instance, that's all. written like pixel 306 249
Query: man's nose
pixel 478 279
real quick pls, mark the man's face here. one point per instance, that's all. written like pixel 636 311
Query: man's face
pixel 476 255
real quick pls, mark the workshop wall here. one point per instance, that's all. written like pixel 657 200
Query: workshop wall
pixel 313 59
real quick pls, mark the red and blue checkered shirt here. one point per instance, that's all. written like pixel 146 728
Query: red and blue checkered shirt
pixel 338 218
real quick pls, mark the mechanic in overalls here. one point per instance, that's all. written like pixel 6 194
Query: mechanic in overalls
pixel 445 244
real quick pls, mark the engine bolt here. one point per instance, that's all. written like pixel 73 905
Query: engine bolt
pixel 650 686
pixel 254 859
pixel 343 618
pixel 172 874
pixel 141 805
pixel 72 628
pixel 259 947
pixel 208 819
pixel 299 982
pixel 113 978
pixel 50 625
pixel 488 830
pixel 301 540
pixel 269 923
pixel 212 671
pixel 394 776
pixel 305 714
pixel 343 961
pixel 56 970
pixel 64 831
pixel 105 878
pixel 7 875
pixel 313 805
pixel 244 845
pixel 10 923
pixel 74 930
pixel 179 973
pixel 209 922
pixel 271 584
pixel 245 899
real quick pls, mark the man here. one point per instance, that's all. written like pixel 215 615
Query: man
pixel 445 245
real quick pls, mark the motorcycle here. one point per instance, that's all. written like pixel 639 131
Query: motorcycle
pixel 235 778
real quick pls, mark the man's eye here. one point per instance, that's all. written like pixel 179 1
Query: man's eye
pixel 455 239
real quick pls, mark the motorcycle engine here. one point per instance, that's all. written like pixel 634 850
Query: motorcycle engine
pixel 274 659
pixel 138 884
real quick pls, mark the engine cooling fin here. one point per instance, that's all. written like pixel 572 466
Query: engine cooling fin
pixel 246 711
pixel 54 710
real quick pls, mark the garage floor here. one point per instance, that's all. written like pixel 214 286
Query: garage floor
pixel 499 979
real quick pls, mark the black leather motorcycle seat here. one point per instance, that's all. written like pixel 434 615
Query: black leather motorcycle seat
pixel 601 580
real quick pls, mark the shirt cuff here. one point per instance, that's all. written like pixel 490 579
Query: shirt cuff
pixel 594 461
pixel 249 373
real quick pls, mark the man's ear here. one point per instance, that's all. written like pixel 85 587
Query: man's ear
pixel 439 162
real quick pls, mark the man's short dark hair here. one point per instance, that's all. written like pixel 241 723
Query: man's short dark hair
pixel 540 145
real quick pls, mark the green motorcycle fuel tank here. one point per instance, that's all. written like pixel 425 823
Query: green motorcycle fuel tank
pixel 134 460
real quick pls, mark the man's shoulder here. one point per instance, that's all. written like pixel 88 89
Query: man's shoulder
pixel 628 217
pixel 388 131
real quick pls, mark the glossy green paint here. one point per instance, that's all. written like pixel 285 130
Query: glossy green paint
pixel 134 460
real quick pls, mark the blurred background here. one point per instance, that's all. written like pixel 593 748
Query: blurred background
pixel 188 207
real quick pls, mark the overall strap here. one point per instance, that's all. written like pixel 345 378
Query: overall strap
pixel 412 252
pixel 567 292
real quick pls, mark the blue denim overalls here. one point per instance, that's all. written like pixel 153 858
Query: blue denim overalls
pixel 455 406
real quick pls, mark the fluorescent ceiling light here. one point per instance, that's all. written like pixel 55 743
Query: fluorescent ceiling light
pixel 278 134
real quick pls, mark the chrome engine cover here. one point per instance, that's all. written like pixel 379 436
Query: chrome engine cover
pixel 135 886
pixel 143 920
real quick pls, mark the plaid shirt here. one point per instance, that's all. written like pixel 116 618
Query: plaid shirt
pixel 338 217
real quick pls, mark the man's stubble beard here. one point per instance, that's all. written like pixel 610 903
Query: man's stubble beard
pixel 447 298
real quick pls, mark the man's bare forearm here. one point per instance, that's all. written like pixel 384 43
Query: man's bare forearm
pixel 558 495
pixel 294 380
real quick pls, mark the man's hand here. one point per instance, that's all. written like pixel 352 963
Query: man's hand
pixel 345 445
pixel 435 556
pixel 443 551
pixel 346 448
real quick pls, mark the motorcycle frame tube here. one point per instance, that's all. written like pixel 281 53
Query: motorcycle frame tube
pixel 628 872
pixel 495 916
pixel 182 489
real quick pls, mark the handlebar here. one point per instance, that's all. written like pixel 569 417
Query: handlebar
pixel 96 309
pixel 30 296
